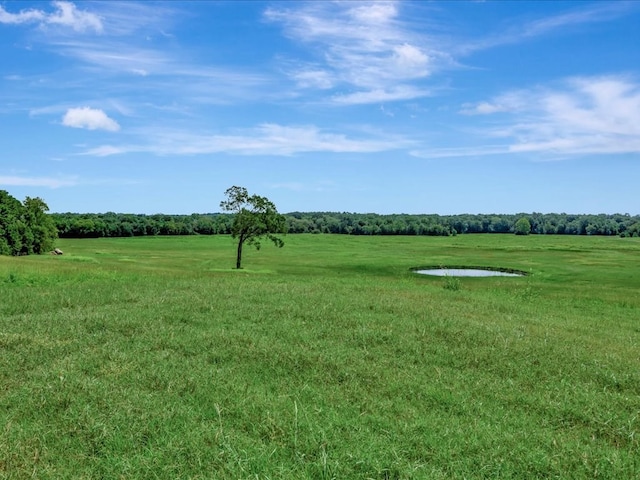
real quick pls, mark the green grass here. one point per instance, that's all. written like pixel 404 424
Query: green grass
pixel 153 358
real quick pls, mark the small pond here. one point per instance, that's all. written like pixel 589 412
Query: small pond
pixel 467 272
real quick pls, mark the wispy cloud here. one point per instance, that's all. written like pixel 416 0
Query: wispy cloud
pixel 519 31
pixel 89 118
pixel 313 77
pixel 512 101
pixel 582 116
pixel 587 116
pixel 369 52
pixel 402 92
pixel 116 56
pixel 591 13
pixel 266 139
pixel 454 152
pixel 108 150
pixel 50 182
pixel 64 14
pixel 363 45
pixel 135 43
pixel 24 16
pixel 146 20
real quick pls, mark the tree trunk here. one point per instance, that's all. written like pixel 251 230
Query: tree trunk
pixel 239 256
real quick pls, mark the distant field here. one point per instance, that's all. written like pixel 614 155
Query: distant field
pixel 152 358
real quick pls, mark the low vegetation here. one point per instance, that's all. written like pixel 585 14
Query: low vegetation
pixel 154 358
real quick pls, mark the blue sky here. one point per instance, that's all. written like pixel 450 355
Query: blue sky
pixel 387 107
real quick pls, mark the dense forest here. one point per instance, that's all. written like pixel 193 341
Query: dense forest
pixel 25 227
pixel 76 225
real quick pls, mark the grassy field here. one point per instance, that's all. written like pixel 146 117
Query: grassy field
pixel 153 358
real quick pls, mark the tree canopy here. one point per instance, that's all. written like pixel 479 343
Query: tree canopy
pixel 25 228
pixel 522 226
pixel 110 224
pixel 255 218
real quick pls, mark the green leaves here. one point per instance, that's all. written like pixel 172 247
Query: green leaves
pixel 255 218
pixel 523 226
pixel 25 228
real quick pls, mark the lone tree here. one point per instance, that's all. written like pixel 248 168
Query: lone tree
pixel 255 218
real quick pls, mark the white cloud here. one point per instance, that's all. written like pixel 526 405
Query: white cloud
pixel 313 78
pixel 508 102
pixel 25 16
pixel 454 152
pixel 411 60
pixel 143 19
pixel 89 118
pixel 265 139
pixel 597 12
pixel 372 50
pixel 273 139
pixel 115 56
pixel 66 14
pixel 400 92
pixel 15 181
pixel 588 115
pixel 375 13
pixel 482 108
pixel 106 151
pixel 581 116
pixel 202 84
pixel 584 14
pixel 365 47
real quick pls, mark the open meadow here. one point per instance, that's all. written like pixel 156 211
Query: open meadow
pixel 329 358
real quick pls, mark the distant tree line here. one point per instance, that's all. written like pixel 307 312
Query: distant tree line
pixel 76 225
pixel 94 225
pixel 25 227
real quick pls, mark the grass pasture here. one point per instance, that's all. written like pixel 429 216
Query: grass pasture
pixel 153 358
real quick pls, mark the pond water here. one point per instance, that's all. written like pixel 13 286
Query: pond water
pixel 466 272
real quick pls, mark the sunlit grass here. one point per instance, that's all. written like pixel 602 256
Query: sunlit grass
pixel 329 358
